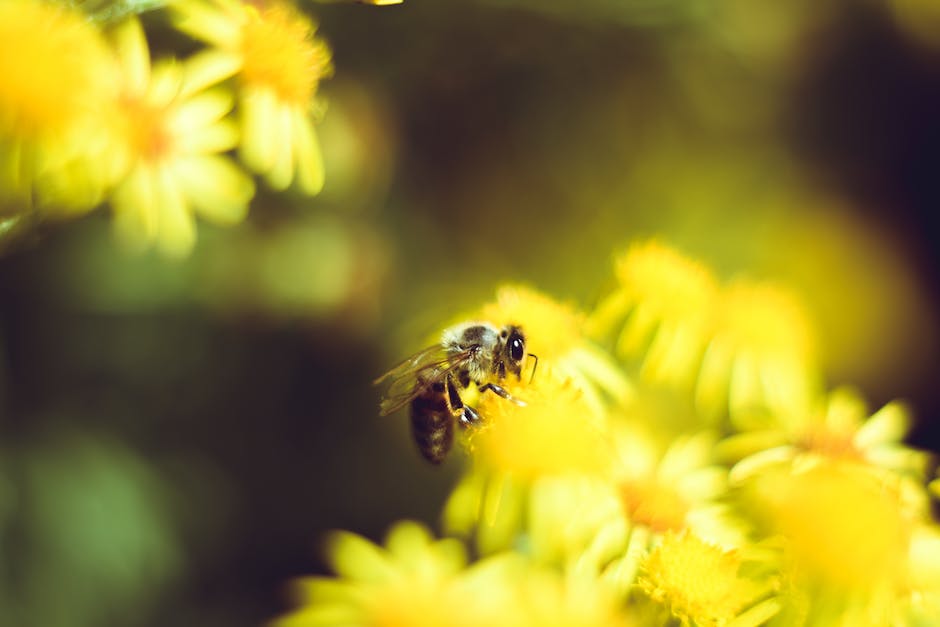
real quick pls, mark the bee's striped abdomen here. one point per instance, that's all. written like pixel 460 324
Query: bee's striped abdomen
pixel 432 424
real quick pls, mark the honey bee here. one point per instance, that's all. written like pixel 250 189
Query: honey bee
pixel 432 379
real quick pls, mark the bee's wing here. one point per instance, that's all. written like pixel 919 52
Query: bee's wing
pixel 412 376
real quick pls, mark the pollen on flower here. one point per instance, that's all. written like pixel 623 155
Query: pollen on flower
pixel 554 432
pixel 280 52
pixel 699 582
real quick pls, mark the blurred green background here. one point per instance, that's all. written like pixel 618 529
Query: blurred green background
pixel 176 437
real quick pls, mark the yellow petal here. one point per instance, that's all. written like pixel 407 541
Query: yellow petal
pixel 217 188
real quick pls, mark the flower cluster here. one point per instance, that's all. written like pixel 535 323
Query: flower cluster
pixel 676 460
pixel 87 118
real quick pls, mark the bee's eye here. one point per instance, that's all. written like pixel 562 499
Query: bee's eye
pixel 516 349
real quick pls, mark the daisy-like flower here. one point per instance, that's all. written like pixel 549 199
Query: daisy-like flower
pixel 703 584
pixel 660 312
pixel 170 135
pixel 409 582
pixel 56 78
pixel 669 491
pixel 760 357
pixel 839 430
pixel 278 63
pixel 416 581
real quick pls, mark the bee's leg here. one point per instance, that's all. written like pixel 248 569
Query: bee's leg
pixel 466 415
pixel 501 392
pixel 469 417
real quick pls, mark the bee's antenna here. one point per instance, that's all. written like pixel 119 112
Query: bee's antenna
pixel 536 358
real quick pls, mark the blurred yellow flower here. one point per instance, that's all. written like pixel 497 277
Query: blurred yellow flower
pixel 674 489
pixel 843 528
pixel 703 584
pixel 839 430
pixel 666 301
pixel 577 522
pixel 415 581
pixel 278 62
pixel 56 79
pixel 761 355
pixel 409 582
pixel 668 491
pixel 169 135
pixel 555 432
pixel 922 587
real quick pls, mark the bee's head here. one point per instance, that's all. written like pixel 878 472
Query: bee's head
pixel 513 348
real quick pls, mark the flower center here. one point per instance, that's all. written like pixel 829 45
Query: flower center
pixel 697 580
pixel 146 129
pixel 280 53
pixel 654 505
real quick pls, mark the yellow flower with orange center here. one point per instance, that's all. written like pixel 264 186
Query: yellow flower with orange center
pixel 56 78
pixel 169 136
pixel 838 430
pixel 271 50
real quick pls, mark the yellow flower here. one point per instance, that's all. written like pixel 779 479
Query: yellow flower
pixel 840 430
pixel 410 582
pixel 844 528
pixel 555 432
pixel 554 332
pixel 921 602
pixel 416 581
pixel 668 491
pixel 278 62
pixel 674 489
pixel 703 584
pixel 761 356
pixel 56 78
pixel 170 136
pixel 558 428
pixel 666 301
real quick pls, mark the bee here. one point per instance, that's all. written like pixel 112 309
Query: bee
pixel 432 379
